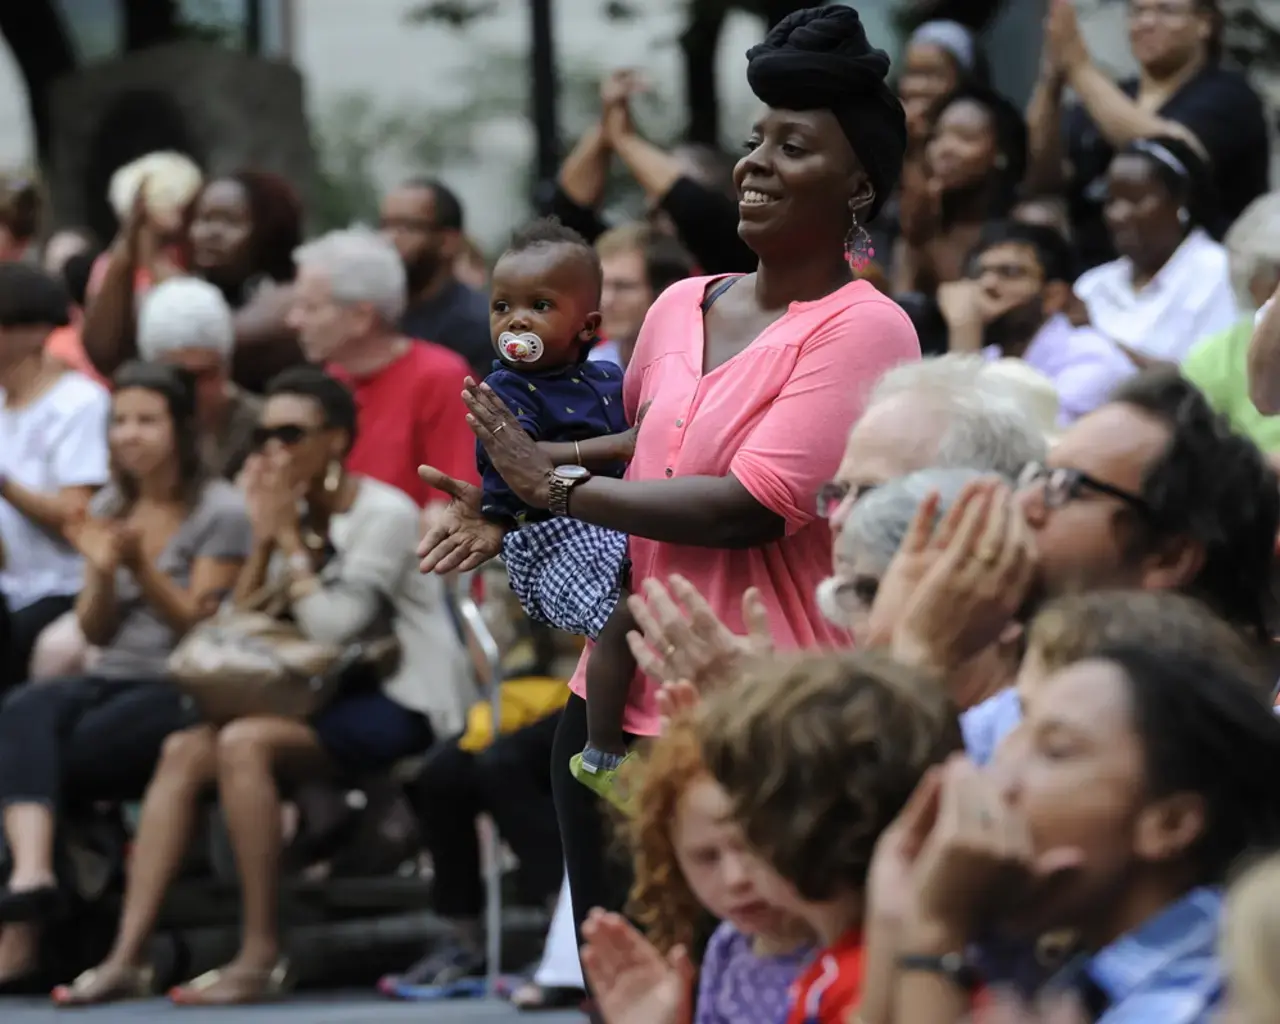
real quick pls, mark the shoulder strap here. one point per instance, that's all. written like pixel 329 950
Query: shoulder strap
pixel 716 292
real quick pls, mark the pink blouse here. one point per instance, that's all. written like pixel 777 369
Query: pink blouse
pixel 776 416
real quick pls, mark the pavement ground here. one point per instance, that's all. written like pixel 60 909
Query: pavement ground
pixel 311 1008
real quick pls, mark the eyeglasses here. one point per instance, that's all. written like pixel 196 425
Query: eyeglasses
pixel 834 492
pixel 288 434
pixel 1003 271
pixel 1063 485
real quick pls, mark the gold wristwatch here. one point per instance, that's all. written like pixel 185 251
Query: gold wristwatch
pixel 563 480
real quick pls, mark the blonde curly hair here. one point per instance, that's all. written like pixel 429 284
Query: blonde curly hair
pixel 661 900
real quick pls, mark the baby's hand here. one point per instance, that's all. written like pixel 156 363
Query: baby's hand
pixel 628 438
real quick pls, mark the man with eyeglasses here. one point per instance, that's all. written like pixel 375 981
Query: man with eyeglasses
pixel 949 413
pixel 1013 305
pixel 1153 491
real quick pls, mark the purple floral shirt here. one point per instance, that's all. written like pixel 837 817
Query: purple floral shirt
pixel 739 987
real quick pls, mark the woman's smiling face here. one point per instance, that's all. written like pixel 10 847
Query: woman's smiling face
pixel 796 180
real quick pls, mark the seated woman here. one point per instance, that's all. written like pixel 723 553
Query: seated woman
pixel 161 545
pixel 1171 285
pixel 349 554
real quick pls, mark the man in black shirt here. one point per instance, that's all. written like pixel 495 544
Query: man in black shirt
pixel 423 219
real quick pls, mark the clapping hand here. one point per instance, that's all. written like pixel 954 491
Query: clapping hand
pixel 632 982
pixel 676 700
pixel 681 638
pixel 99 541
pixel 615 101
pixel 974 588
pixel 979 856
pixel 1064 45
pixel 919 551
pixel 270 498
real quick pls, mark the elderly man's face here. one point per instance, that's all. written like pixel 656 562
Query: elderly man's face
pixel 895 437
pixel 326 328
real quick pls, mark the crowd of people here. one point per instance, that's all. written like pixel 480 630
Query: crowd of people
pixel 897 504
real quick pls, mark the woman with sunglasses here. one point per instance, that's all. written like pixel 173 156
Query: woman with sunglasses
pixel 345 543
pixel 161 544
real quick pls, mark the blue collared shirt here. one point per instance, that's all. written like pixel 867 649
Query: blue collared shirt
pixel 1165 971
pixel 985 725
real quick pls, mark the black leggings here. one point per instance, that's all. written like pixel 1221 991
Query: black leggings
pixel 84 739
pixel 598 865
pixel 509 780
pixel 20 630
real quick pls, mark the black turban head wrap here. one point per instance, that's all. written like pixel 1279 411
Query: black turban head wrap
pixel 819 59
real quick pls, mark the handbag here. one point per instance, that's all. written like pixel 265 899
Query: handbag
pixel 253 660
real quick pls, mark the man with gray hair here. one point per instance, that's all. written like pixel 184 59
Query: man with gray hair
pixel 350 294
pixel 186 322
pixel 951 412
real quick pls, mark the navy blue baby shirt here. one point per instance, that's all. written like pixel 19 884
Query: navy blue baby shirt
pixel 570 404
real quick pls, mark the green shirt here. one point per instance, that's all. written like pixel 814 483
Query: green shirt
pixel 1218 366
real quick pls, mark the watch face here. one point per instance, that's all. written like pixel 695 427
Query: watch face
pixel 572 472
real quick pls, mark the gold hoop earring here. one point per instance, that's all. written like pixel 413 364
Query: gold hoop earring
pixel 333 476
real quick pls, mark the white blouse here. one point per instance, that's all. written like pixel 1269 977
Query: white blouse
pixel 1190 298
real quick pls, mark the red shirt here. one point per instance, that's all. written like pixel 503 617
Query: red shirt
pixel 410 413
pixel 830 988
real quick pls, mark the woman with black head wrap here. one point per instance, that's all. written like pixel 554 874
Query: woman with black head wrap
pixel 1171 285
pixel 751 382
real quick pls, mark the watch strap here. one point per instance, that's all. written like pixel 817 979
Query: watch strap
pixel 559 490
pixel 955 967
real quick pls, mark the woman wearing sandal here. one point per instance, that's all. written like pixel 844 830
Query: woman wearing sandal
pixel 160 544
pixel 349 555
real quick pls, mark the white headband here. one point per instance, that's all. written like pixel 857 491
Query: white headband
pixel 1163 155
pixel 950 36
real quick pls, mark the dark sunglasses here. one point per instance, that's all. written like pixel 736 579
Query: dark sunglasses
pixel 1063 485
pixel 288 434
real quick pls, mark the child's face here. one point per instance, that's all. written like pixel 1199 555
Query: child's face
pixel 720 869
pixel 542 308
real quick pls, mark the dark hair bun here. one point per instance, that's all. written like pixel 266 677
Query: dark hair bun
pixel 815 58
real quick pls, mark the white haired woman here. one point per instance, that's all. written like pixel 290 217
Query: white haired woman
pixel 1218 365
pixel 183 322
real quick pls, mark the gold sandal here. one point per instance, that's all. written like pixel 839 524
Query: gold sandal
pixel 275 984
pixel 134 983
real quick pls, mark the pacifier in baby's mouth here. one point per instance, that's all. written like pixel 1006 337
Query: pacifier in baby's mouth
pixel 520 348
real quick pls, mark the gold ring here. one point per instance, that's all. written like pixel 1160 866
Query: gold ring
pixel 671 649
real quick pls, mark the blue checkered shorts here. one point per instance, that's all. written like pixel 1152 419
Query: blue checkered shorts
pixel 567 573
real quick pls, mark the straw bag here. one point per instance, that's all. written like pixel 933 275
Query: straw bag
pixel 253 660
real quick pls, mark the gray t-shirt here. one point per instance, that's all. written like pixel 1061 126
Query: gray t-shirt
pixel 218 527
